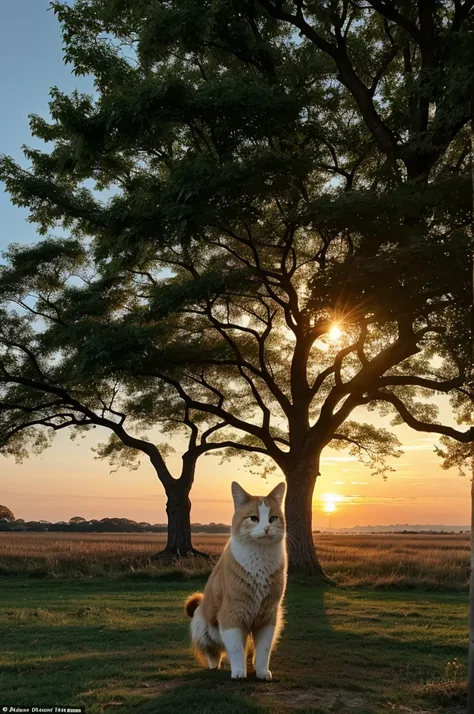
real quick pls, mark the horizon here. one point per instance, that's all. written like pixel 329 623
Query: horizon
pixel 430 526
pixel 66 480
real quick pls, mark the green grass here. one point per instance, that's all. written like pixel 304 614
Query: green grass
pixel 123 645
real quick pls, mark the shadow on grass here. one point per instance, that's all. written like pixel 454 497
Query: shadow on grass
pixel 328 645
pixel 53 639
pixel 191 697
pixel 137 654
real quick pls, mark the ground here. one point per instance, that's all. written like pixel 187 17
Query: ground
pixel 421 561
pixel 122 644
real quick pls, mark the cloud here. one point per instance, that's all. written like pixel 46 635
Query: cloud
pixel 92 497
pixel 422 439
pixel 374 501
pixel 419 447
pixel 338 483
pixel 359 483
pixel 337 459
pixel 86 497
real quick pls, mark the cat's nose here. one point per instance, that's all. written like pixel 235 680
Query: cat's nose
pixel 267 528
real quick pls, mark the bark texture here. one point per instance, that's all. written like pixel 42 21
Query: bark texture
pixel 178 510
pixel 302 557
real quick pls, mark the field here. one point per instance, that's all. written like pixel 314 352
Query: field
pixel 104 627
pixel 380 561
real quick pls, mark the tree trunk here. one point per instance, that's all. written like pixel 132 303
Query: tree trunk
pixel 302 558
pixel 178 510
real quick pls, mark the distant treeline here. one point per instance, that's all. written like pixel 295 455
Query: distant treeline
pixel 427 531
pixel 105 525
pixel 125 525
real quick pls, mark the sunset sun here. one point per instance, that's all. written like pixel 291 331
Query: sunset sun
pixel 330 502
pixel 335 332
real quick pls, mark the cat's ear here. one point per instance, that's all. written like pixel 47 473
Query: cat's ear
pixel 239 495
pixel 278 493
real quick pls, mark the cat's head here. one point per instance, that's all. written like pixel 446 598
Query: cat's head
pixel 258 518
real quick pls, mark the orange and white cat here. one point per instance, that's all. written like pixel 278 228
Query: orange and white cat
pixel 244 592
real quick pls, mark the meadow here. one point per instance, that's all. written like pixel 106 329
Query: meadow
pixel 122 645
pixel 94 621
pixel 377 561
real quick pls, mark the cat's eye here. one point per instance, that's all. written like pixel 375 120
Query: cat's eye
pixel 273 519
pixel 254 519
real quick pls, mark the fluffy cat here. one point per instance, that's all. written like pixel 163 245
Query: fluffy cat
pixel 244 592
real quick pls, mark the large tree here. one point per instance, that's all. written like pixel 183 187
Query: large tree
pixel 284 186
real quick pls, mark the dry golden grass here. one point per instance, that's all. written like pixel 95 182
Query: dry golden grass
pixel 398 560
pixel 409 561
pixel 79 554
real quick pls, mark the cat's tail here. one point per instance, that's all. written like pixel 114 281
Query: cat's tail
pixel 192 603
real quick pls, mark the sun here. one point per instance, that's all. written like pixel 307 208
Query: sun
pixel 335 332
pixel 330 502
pixel 329 507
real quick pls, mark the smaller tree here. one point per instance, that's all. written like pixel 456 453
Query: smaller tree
pixel 55 312
pixel 6 514
pixel 77 519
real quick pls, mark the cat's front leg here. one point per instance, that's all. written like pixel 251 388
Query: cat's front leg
pixel 263 640
pixel 235 641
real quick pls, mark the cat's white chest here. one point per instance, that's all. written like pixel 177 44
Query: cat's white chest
pixel 259 562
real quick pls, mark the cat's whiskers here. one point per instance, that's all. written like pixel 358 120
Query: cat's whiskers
pixel 291 539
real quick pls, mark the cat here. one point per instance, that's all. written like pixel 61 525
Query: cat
pixel 244 592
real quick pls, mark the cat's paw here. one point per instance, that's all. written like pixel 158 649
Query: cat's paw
pixel 264 674
pixel 239 674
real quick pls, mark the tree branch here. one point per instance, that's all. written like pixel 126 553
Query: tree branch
pixel 409 419
pixel 140 444
pixel 461 14
pixel 412 381
pixel 347 75
pixel 389 11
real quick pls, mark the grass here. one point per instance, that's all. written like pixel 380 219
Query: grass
pixel 104 627
pixel 122 645
pixel 374 561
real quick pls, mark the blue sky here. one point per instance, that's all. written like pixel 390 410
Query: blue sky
pixel 30 63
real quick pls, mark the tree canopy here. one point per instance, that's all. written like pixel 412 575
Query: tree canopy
pixel 6 513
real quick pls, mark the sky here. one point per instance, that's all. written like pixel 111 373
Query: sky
pixel 67 480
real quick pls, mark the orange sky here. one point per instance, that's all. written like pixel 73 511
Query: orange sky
pixel 67 481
